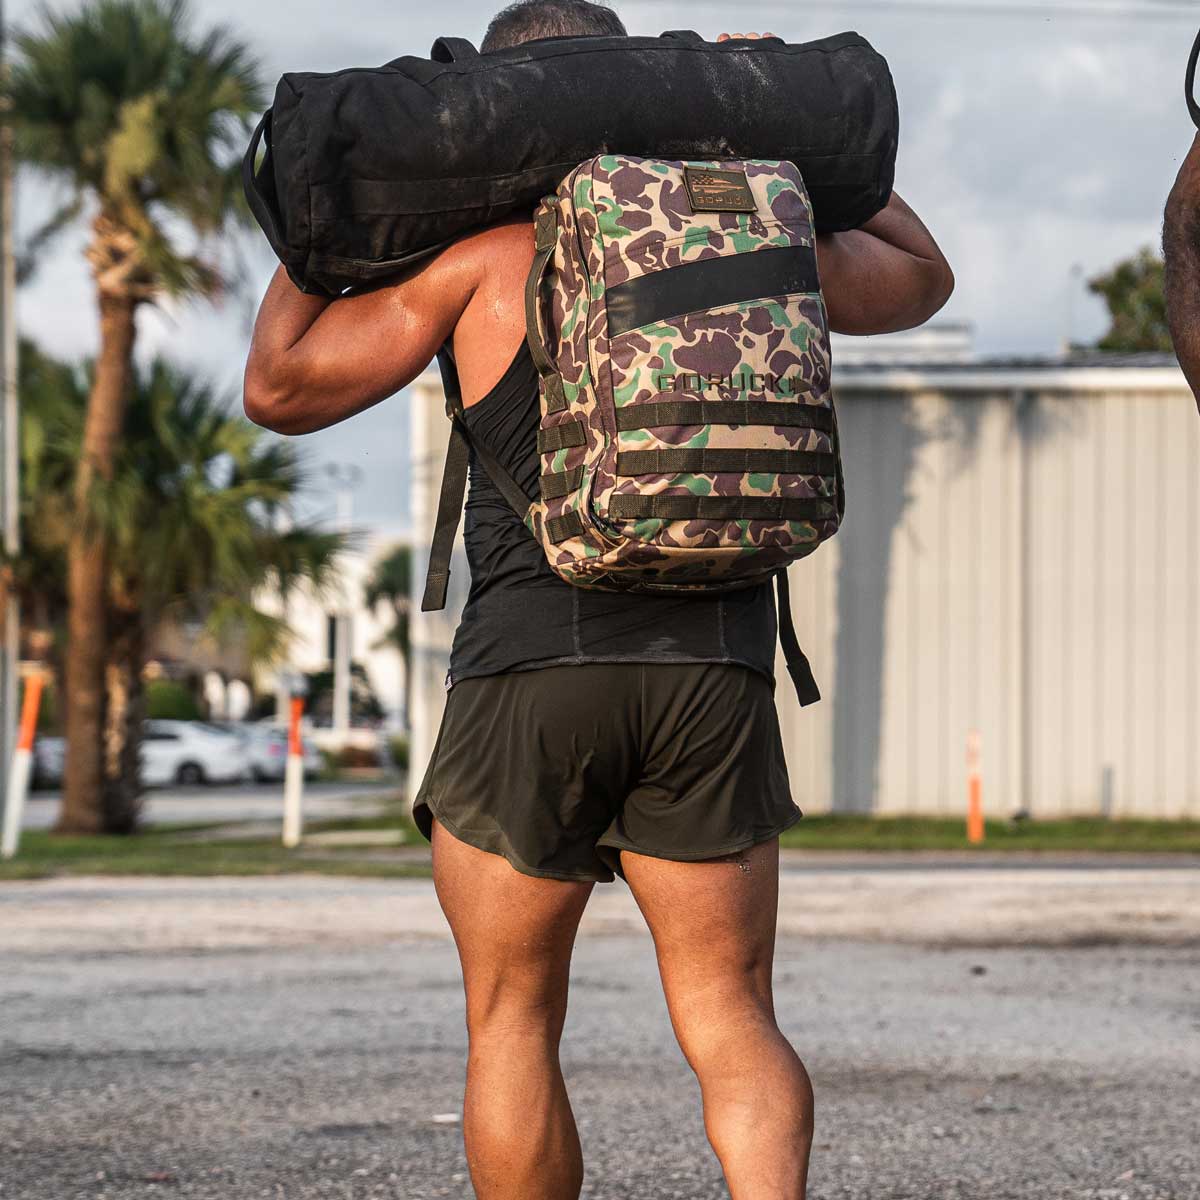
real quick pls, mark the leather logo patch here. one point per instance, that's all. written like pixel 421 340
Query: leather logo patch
pixel 718 191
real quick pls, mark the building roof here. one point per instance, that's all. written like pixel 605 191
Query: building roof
pixel 1086 371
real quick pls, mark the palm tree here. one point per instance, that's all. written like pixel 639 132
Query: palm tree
pixel 140 116
pixel 190 520
pixel 390 584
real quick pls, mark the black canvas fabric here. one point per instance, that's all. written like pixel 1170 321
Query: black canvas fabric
pixel 368 170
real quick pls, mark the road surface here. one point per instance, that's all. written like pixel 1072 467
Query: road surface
pixel 236 803
pixel 303 1038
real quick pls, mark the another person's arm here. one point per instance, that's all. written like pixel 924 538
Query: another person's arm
pixel 886 276
pixel 1181 252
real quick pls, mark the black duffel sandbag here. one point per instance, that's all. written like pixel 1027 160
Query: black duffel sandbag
pixel 367 170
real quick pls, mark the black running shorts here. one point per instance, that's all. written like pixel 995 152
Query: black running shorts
pixel 560 769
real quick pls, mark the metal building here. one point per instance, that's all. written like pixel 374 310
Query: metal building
pixel 1021 558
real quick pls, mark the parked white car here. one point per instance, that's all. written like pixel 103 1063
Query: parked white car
pixel 266 747
pixel 191 752
pixel 49 760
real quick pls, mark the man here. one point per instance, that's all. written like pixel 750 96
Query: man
pixel 1181 253
pixel 589 734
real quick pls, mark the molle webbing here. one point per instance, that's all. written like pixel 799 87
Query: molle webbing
pixel 722 508
pixel 711 283
pixel 725 462
pixel 562 529
pixel 561 437
pixel 560 484
pixel 689 413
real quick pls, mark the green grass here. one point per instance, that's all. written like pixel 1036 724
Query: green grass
pixel 1091 835
pixel 184 851
pixel 176 850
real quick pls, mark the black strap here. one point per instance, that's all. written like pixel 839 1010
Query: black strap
pixel 721 508
pixel 453 50
pixel 545 240
pixel 256 197
pixel 798 665
pixel 688 413
pixel 454 488
pixel 1190 83
pixel 708 461
pixel 690 36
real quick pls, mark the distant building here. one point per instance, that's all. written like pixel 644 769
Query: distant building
pixel 1020 558
pixel 311 617
pixel 940 341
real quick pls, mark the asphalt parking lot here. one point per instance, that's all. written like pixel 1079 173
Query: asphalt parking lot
pixel 303 1038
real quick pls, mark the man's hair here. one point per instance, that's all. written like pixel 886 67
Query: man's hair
pixel 528 20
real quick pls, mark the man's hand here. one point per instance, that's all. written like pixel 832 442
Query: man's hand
pixel 747 37
pixel 1181 253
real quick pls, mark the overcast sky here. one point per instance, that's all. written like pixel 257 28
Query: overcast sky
pixel 1037 136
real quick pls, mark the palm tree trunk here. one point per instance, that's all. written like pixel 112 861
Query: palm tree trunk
pixel 87 574
pixel 126 712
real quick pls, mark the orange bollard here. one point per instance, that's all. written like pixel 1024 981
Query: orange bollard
pixel 293 780
pixel 975 827
pixel 22 766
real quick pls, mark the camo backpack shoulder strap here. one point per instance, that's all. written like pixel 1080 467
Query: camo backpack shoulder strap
pixel 454 487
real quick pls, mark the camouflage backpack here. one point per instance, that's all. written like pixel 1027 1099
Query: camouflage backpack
pixel 688 440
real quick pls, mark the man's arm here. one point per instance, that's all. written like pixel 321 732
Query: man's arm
pixel 886 276
pixel 1181 253
pixel 314 362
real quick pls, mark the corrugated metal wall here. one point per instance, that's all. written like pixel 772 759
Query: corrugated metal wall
pixel 1021 557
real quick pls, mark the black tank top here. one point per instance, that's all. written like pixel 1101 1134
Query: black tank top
pixel 521 616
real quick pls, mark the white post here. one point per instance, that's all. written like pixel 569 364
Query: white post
pixel 293 779
pixel 10 643
pixel 22 763
pixel 341 675
pixel 430 633
pixel 348 478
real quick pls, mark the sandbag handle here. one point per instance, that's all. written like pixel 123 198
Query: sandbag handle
pixel 259 206
pixel 545 242
pixel 685 35
pixel 454 50
pixel 1190 83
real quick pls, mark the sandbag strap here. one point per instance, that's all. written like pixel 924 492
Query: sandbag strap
pixel 690 413
pixel 797 662
pixel 725 462
pixel 561 437
pixel 721 508
pixel 1190 83
pixel 545 240
pixel 561 483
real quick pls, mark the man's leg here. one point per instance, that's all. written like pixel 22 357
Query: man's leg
pixel 514 935
pixel 714 931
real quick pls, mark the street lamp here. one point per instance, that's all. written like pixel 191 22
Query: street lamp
pixel 345 477
pixel 9 424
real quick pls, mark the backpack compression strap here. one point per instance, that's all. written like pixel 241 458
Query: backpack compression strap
pixel 797 662
pixel 454 487
pixel 1190 82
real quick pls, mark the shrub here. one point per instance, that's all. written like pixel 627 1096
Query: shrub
pixel 398 749
pixel 167 700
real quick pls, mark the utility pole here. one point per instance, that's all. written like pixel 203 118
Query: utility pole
pixel 10 644
pixel 345 479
